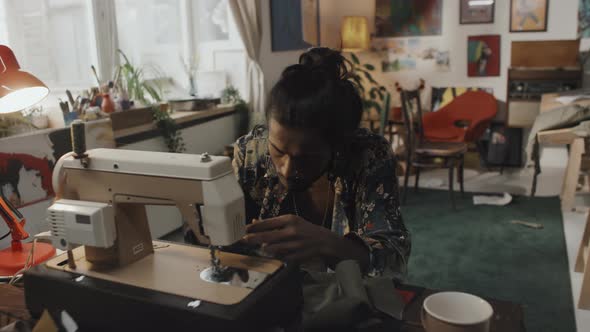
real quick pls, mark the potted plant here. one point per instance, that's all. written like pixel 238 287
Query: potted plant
pixel 37 118
pixel 231 96
pixel 374 95
pixel 137 88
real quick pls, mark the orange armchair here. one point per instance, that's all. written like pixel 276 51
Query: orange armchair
pixel 463 120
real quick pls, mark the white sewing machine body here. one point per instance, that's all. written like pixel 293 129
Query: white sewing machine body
pixel 214 190
pixel 100 207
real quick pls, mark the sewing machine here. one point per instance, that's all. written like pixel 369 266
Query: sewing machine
pixel 114 277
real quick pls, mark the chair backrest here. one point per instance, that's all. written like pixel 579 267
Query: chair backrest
pixel 383 117
pixel 410 99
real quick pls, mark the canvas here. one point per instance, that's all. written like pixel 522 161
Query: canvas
pixel 288 19
pixel 27 161
pixel 528 15
pixel 483 55
pixel 476 14
pixel 402 18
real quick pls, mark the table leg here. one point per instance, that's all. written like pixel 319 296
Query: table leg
pixel 582 267
pixel 572 172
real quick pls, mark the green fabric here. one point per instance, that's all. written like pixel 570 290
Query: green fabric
pixel 345 298
pixel 477 250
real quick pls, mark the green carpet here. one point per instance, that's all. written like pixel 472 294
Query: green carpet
pixel 477 250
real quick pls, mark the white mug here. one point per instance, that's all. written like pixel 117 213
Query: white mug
pixel 456 312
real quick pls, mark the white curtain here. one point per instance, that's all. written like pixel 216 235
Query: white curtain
pixel 247 15
pixel 105 28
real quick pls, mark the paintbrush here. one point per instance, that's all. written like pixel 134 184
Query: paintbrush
pixel 96 76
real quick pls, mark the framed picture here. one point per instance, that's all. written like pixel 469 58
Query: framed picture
pixel 294 24
pixel 483 55
pixel 528 15
pixel 476 13
pixel 403 18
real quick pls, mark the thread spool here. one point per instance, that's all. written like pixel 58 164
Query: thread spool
pixel 78 134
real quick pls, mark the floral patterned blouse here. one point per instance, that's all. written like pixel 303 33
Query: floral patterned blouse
pixel 366 196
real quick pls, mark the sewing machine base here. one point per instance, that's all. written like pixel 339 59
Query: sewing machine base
pixel 100 304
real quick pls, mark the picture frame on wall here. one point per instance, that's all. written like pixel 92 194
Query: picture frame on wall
pixel 483 56
pixel 528 15
pixel 471 12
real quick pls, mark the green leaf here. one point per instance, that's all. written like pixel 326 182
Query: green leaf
pixel 380 93
pixel 369 66
pixel 370 78
pixel 354 58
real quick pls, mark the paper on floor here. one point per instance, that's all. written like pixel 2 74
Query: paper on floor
pixel 492 200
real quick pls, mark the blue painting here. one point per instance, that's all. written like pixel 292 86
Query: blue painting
pixel 286 18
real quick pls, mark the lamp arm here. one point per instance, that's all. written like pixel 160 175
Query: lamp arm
pixel 14 219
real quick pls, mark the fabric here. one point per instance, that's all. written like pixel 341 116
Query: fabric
pixel 561 117
pixel 106 37
pixel 366 194
pixel 345 299
pixel 248 19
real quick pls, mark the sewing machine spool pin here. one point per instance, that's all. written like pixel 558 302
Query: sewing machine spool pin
pixel 78 136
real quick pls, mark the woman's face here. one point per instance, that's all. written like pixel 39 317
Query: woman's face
pixel 300 156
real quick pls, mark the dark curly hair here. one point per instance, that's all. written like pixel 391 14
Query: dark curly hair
pixel 317 94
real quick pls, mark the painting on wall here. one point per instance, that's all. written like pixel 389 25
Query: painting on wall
pixel 441 96
pixel 294 24
pixel 412 54
pixel 476 13
pixel 584 19
pixel 27 161
pixel 483 55
pixel 528 15
pixel 402 18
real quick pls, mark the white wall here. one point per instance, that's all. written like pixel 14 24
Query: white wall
pixel 562 24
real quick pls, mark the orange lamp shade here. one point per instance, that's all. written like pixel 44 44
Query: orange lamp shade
pixel 355 33
pixel 18 89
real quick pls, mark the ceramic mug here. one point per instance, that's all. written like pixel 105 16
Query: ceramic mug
pixel 456 312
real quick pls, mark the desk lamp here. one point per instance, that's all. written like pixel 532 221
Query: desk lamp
pixel 18 90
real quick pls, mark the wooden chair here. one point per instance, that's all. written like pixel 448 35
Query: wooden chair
pixel 421 153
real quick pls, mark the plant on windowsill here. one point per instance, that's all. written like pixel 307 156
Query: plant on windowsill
pixel 231 95
pixel 374 95
pixel 139 89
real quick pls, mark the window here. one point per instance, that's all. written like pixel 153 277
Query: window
pixel 151 35
pixel 51 38
pixel 57 41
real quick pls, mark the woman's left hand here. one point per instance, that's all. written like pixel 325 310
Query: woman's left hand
pixel 292 238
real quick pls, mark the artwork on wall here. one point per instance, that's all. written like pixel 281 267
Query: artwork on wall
pixel 528 15
pixel 441 96
pixel 412 54
pixel 476 13
pixel 294 24
pixel 27 161
pixel 483 55
pixel 584 19
pixel 402 18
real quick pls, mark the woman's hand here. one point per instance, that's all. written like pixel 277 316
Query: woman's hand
pixel 296 239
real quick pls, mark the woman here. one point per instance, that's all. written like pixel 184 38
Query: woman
pixel 319 189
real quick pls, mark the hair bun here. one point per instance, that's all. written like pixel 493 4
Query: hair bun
pixel 330 61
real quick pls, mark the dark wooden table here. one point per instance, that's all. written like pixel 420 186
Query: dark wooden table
pixel 508 316
pixel 12 305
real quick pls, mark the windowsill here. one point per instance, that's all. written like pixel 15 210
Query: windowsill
pixel 182 119
pixel 137 133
